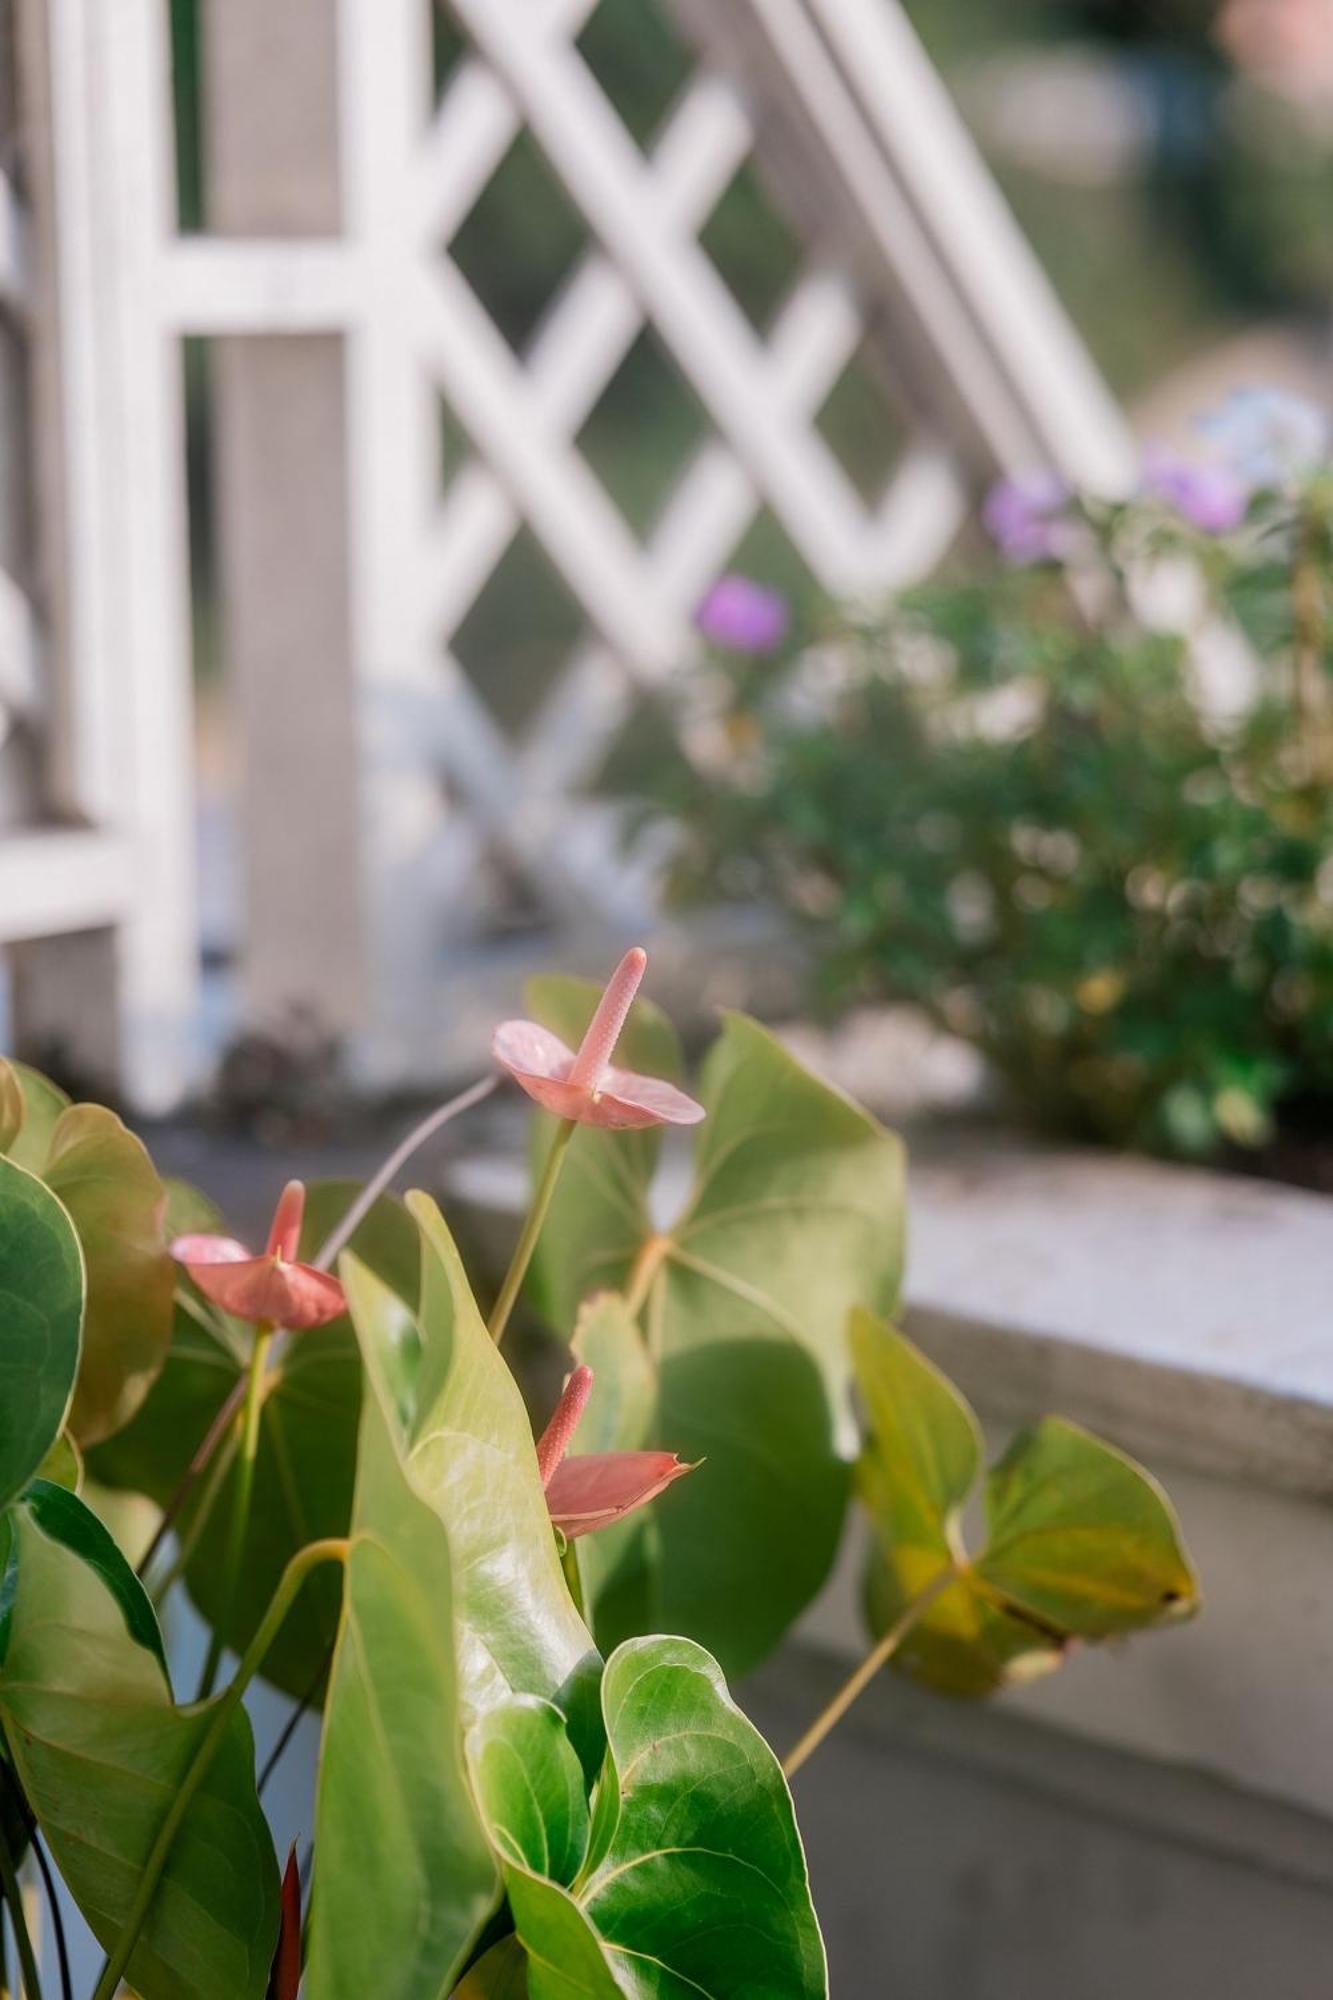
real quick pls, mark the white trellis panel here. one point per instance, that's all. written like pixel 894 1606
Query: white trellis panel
pixel 909 257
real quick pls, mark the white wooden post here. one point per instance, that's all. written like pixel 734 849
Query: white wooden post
pixel 97 101
pixel 279 430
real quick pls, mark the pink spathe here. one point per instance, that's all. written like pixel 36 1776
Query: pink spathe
pixel 600 1488
pixel 274 1289
pixel 585 1085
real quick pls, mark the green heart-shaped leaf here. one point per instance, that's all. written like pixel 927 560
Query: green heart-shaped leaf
pixel 41 1312
pixel 795 1215
pixel 1081 1541
pixel 306 1461
pixel 101 1752
pixel 117 1204
pixel 454 1601
pixel 690 1877
pixel 1082 1537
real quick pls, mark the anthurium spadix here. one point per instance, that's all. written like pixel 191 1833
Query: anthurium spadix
pixel 273 1289
pixel 584 1085
pixel 601 1487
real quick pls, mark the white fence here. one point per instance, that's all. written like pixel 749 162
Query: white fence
pixel 383 798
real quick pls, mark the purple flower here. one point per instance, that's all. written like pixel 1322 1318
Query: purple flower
pixel 1268 437
pixel 1213 498
pixel 743 616
pixel 1025 517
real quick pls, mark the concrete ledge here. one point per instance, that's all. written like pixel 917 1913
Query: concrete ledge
pixel 1186 1312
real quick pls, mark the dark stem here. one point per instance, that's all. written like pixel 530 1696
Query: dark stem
pixel 15 1789
pixel 293 1723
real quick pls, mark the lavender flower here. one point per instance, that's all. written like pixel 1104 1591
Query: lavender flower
pixel 1025 517
pixel 1211 497
pixel 1267 436
pixel 743 616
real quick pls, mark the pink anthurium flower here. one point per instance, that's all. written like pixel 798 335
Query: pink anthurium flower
pixel 584 1494
pixel 274 1289
pixel 585 1086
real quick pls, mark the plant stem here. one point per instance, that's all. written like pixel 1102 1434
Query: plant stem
pixel 240 1506
pixel 295 1574
pixel 532 1229
pixel 569 1563
pixel 208 1444
pixel 293 1722
pixel 12 1897
pixel 218 1472
pixel 857 1682
pixel 395 1163
pixel 646 1267
pixel 328 1250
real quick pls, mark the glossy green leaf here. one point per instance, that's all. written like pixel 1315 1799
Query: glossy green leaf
pixel 404 1880
pixel 44 1103
pixel 692 1879
pixel 306 1463
pixel 1082 1537
pixel 921 1461
pixel 41 1312
pixel 472 1459
pixel 101 1751
pixel 117 1204
pixel 531 1788
pixel 1081 1541
pixel 454 1601
pixel 795 1216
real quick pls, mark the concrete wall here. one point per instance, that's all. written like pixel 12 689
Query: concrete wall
pixel 960 1853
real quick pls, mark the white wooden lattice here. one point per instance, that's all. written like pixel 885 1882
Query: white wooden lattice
pixel 919 243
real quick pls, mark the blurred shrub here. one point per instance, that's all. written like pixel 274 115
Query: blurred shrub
pixel 1006 802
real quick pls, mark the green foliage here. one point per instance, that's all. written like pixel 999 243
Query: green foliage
pixel 498 1815
pixel 795 1215
pixel 1081 1542
pixel 100 1750
pixel 41 1312
pixel 112 1194
pixel 1019 816
pixel 306 1461
pixel 453 1602
pixel 690 1812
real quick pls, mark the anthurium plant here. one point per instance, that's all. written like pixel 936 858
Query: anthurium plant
pixel 533 1776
